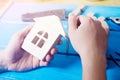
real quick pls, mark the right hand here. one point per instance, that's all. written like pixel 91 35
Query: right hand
pixel 87 35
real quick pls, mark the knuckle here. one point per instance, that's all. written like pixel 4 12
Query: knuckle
pixel 89 20
pixel 99 22
pixel 71 15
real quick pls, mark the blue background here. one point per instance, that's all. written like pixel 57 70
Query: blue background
pixel 62 67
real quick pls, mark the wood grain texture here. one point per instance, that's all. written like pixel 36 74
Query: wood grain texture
pixel 87 2
pixel 4 5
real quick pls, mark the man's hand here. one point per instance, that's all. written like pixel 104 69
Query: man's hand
pixel 89 37
pixel 16 59
pixel 87 34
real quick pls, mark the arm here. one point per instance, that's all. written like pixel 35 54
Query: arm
pixel 89 39
pixel 14 58
pixel 94 66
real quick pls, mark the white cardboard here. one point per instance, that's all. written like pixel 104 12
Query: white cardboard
pixel 50 24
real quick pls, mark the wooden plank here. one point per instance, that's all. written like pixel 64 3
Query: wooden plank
pixel 4 5
pixel 86 2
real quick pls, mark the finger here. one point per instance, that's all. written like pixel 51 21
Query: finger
pixel 59 41
pixel 72 19
pixel 35 62
pixel 91 14
pixel 104 24
pixel 78 10
pixel 83 19
pixel 51 54
pixel 72 22
pixel 101 18
pixel 43 63
pixel 48 57
pixel 53 51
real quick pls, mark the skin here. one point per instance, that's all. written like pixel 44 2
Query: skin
pixel 14 58
pixel 89 38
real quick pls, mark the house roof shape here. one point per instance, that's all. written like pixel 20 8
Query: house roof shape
pixel 40 47
pixel 57 27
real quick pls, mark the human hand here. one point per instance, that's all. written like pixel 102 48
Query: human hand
pixel 87 35
pixel 16 59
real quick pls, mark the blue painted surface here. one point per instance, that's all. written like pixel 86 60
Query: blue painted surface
pixel 62 67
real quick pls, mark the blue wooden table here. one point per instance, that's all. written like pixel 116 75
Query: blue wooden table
pixel 62 67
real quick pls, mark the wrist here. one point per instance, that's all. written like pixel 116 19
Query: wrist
pixel 96 59
pixel 94 66
pixel 3 65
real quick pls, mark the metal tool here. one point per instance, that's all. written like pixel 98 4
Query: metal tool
pixel 61 13
pixel 114 19
pixel 28 17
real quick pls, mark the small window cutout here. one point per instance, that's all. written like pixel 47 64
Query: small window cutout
pixel 40 39
pixel 40 44
pixel 40 32
pixel 35 39
pixel 46 35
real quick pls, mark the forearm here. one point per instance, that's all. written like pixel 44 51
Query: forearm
pixel 94 67
pixel 3 67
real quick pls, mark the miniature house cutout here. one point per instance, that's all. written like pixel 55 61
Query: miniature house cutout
pixel 43 36
pixel 40 39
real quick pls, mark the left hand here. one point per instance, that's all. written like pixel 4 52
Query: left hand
pixel 16 59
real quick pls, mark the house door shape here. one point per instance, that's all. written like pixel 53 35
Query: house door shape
pixel 40 38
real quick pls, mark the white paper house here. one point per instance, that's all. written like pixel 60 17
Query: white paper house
pixel 45 34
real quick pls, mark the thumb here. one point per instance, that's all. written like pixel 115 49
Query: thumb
pixel 104 24
pixel 72 18
pixel 72 22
